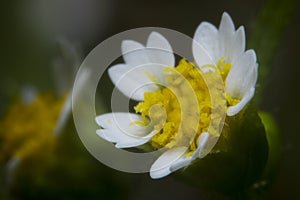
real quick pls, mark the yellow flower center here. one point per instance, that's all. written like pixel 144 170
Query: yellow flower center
pixel 28 129
pixel 191 102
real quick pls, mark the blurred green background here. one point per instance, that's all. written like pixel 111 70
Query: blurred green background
pixel 30 37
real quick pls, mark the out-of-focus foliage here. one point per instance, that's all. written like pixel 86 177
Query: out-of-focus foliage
pixel 67 172
pixel 267 33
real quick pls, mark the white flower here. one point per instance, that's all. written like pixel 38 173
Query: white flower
pixel 120 128
pixel 143 72
pixel 211 44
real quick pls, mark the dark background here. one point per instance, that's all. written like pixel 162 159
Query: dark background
pixel 30 30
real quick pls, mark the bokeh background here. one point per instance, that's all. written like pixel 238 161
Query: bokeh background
pixel 39 36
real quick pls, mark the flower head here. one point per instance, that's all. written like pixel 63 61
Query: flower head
pixel 181 106
pixel 27 129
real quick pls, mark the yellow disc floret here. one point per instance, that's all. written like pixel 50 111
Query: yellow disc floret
pixel 223 67
pixel 188 114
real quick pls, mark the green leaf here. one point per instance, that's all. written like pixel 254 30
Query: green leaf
pixel 273 137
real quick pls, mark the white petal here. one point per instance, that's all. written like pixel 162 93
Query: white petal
pixel 134 53
pixel 134 142
pixel 202 140
pixel 238 45
pixel 182 162
pixel 128 46
pixel 122 140
pixel 242 76
pixel 233 110
pixel 174 159
pixel 205 44
pixel 161 167
pixel 121 129
pixel 125 122
pixel 108 135
pixel 207 36
pixel 226 25
pixel 157 51
pixel 226 34
pixel 144 66
pixel 160 50
pixel 201 56
pixel 134 82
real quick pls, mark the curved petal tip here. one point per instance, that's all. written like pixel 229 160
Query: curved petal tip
pixel 233 110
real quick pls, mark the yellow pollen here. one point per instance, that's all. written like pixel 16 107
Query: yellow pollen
pixel 28 129
pixel 223 67
pixel 179 106
pixel 231 101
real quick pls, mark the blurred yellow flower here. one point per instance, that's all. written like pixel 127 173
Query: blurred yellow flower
pixel 28 128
